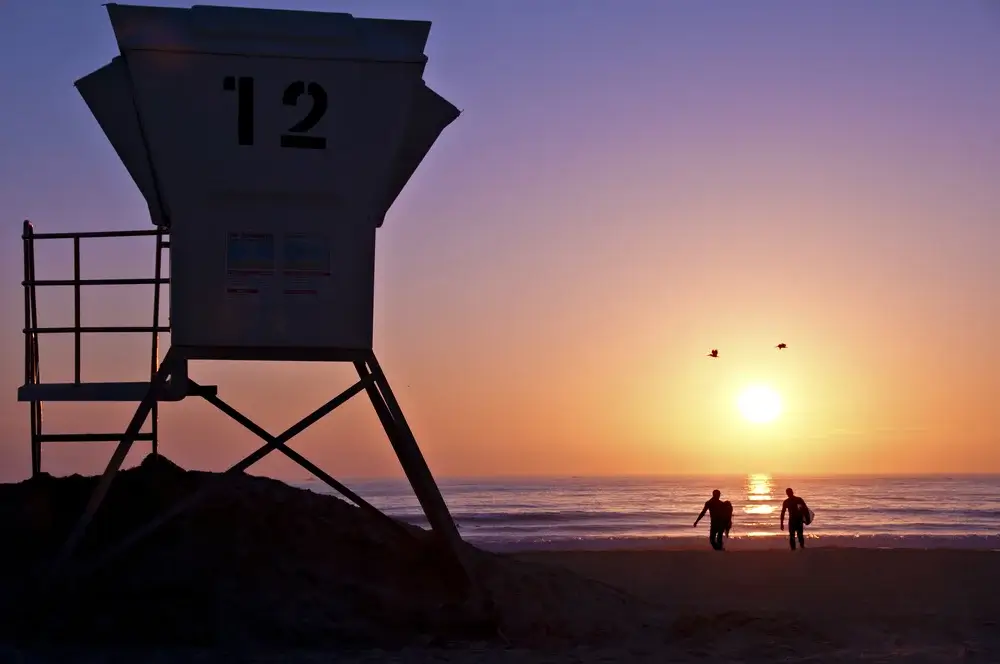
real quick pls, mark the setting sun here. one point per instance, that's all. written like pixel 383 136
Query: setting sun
pixel 759 404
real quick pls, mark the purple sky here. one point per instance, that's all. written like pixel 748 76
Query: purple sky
pixel 631 183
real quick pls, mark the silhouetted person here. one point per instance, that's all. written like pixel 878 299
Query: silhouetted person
pixel 798 514
pixel 717 519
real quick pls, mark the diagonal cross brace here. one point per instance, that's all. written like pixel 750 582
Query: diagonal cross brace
pixel 372 379
pixel 279 443
pixel 272 443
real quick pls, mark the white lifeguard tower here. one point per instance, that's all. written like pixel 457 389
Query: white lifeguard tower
pixel 269 145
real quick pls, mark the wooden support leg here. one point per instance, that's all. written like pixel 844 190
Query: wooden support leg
pixel 155 429
pixel 412 461
pixel 36 446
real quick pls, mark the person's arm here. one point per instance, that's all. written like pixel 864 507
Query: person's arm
pixel 784 506
pixel 703 510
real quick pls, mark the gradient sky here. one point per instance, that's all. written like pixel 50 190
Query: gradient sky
pixel 631 184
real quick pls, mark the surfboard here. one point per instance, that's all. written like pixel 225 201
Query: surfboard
pixel 810 515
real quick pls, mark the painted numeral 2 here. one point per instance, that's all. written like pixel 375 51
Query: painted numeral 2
pixel 297 135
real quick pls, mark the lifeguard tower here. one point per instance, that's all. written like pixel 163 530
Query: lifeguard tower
pixel 269 146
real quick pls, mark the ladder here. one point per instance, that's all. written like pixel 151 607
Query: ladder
pixel 34 391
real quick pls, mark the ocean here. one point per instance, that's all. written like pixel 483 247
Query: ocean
pixel 605 513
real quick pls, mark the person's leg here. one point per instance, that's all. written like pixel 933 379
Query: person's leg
pixel 718 537
pixel 791 535
pixel 802 537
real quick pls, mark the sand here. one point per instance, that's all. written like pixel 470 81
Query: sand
pixel 822 604
pixel 264 572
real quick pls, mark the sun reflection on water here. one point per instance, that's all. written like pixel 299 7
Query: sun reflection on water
pixel 759 491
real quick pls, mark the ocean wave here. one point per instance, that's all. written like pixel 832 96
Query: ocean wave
pixel 946 510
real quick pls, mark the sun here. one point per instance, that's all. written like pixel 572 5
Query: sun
pixel 759 404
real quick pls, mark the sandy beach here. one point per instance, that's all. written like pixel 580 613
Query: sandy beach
pixel 829 605
pixel 823 604
pixel 265 572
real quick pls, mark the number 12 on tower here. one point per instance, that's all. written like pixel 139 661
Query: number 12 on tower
pixel 296 136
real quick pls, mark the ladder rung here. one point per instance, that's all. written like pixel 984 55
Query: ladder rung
pixel 138 281
pixel 89 437
pixel 96 330
pixel 86 234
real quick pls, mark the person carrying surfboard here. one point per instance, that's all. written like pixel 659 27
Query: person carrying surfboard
pixel 717 519
pixel 799 515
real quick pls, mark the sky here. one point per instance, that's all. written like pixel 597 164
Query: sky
pixel 630 185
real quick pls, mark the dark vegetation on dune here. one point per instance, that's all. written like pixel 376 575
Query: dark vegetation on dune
pixel 261 562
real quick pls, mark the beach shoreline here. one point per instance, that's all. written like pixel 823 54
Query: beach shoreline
pixel 769 542
pixel 265 572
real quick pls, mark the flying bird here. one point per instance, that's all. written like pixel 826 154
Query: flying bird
pixel 781 346
pixel 714 353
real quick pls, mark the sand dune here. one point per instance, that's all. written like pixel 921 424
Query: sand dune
pixel 264 563
pixel 266 572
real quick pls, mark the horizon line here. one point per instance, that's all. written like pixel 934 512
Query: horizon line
pixel 685 476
